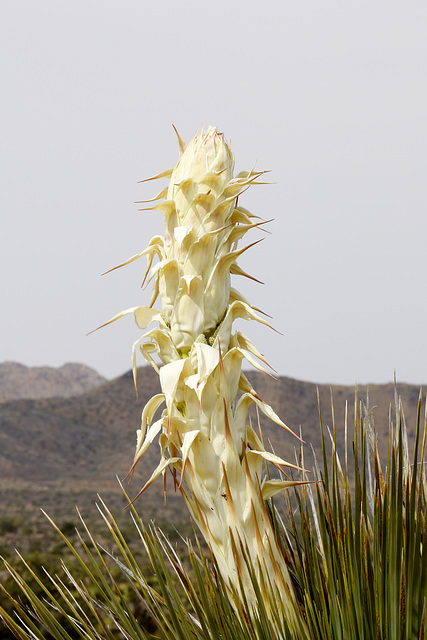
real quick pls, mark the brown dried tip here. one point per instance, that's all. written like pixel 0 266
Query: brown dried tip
pixel 182 145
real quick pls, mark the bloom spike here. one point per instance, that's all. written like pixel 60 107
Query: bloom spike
pixel 205 439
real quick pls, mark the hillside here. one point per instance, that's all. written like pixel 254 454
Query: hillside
pixel 58 452
pixel 19 381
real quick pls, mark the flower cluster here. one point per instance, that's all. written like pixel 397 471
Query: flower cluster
pixel 205 439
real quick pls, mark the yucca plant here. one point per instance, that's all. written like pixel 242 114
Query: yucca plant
pixel 215 456
pixel 347 561
pixel 356 550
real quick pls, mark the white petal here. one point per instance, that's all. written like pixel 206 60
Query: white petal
pixel 237 309
pixel 168 285
pixel 122 314
pixel 169 380
pixel 142 447
pixel 169 377
pixel 270 457
pixel 180 232
pixel 145 316
pixel 187 441
pixel 149 410
pixel 165 462
pixel 271 487
pixel 187 320
pixel 207 359
pixel 268 411
pixel 245 343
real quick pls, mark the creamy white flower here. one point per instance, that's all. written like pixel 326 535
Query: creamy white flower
pixel 204 435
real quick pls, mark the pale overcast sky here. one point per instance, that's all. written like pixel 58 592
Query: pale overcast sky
pixel 329 95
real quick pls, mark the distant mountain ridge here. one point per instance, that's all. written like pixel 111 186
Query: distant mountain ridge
pixel 19 381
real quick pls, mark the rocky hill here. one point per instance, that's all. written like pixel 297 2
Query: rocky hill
pixel 19 381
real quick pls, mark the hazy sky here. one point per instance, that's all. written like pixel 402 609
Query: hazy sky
pixel 329 95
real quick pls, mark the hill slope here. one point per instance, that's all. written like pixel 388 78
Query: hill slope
pixel 58 452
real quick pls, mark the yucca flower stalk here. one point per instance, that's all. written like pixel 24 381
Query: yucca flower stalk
pixel 215 456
